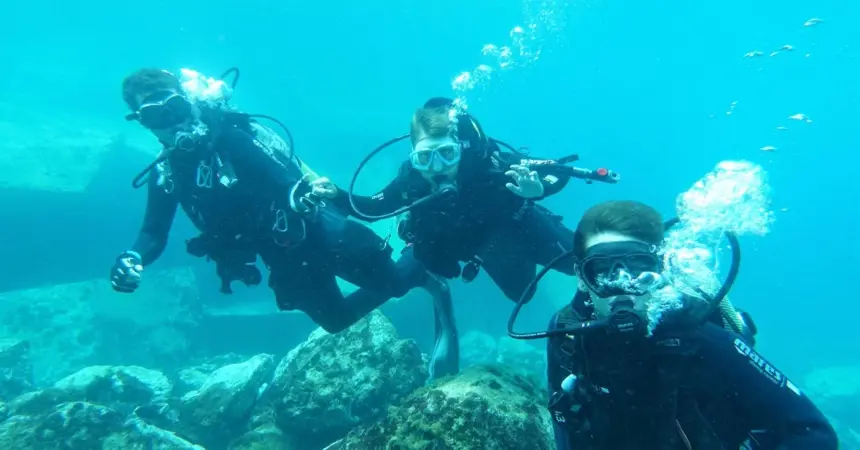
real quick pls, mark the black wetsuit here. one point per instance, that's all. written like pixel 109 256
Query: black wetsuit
pixel 238 223
pixel 703 388
pixel 510 235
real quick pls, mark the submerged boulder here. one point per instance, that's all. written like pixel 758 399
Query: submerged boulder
pixel 124 388
pixel 16 370
pixel 83 425
pixel 333 382
pixel 192 378
pixel 483 407
pixel 65 426
pixel 220 409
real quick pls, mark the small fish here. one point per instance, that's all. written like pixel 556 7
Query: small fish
pixel 772 54
pixel 801 117
pixel 753 54
pixel 812 22
pixel 781 128
pixel 768 148
pixel 787 48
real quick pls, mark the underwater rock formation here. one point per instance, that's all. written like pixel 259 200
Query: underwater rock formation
pixel 16 371
pixel 123 388
pixel 220 409
pixel 83 425
pixel 333 382
pixel 483 407
pixel 88 323
pixel 192 378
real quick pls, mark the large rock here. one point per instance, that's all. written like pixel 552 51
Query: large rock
pixel 220 409
pixel 481 408
pixel 16 371
pixel 333 382
pixel 75 325
pixel 83 425
pixel 123 388
pixel 65 426
pixel 192 378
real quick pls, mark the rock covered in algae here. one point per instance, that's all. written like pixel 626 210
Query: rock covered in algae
pixel 485 407
pixel 218 411
pixel 84 425
pixel 333 382
pixel 124 388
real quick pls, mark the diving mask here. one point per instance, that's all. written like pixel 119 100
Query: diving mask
pixel 435 155
pixel 621 268
pixel 162 110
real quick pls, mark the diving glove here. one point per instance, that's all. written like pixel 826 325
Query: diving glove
pixel 125 275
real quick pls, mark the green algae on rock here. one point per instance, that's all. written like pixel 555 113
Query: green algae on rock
pixel 485 407
pixel 333 382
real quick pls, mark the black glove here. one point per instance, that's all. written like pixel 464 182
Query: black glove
pixel 125 275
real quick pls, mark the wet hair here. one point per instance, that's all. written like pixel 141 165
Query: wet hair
pixel 434 120
pixel 629 218
pixel 145 82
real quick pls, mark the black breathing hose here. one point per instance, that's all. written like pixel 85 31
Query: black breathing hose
pixel 594 325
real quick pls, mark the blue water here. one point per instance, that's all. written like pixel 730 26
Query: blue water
pixel 640 87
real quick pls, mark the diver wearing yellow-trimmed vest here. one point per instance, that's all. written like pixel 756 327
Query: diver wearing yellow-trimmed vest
pixel 248 194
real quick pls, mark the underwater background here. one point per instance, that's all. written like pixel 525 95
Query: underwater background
pixel 658 91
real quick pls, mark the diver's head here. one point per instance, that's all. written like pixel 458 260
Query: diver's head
pixel 159 103
pixel 440 135
pixel 615 246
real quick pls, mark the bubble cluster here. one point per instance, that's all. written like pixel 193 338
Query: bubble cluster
pixel 734 197
pixel 203 89
pixel 543 18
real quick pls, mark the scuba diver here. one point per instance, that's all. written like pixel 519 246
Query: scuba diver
pixel 695 383
pixel 248 194
pixel 464 200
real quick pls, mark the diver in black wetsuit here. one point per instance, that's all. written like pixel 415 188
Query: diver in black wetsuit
pixel 249 196
pixel 693 384
pixel 468 201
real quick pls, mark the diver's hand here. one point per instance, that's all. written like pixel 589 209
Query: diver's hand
pixel 125 275
pixel 322 187
pixel 526 184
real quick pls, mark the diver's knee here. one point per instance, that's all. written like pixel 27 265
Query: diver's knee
pixel 334 325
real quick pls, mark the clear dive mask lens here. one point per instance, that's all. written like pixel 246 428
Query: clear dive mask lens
pixel 619 272
pixel 167 112
pixel 434 158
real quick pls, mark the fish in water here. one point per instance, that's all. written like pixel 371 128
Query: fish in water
pixel 801 117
